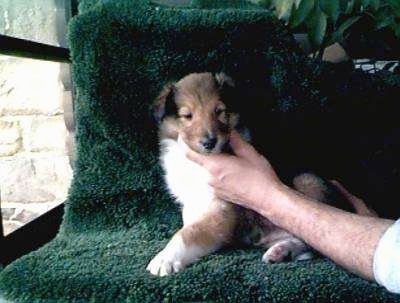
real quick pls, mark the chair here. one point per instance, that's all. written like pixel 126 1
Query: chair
pixel 118 214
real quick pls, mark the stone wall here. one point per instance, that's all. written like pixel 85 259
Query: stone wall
pixel 36 20
pixel 34 165
pixel 35 172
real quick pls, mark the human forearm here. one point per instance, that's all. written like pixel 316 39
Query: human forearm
pixel 348 239
pixel 249 180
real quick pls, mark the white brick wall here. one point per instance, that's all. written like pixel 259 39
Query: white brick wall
pixel 34 167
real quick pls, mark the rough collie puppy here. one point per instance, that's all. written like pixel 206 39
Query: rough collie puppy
pixel 193 114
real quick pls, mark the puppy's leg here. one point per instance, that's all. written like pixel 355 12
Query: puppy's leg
pixel 311 186
pixel 321 190
pixel 174 256
pixel 284 245
pixel 192 242
pixel 289 248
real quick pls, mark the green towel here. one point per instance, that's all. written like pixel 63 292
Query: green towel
pixel 118 214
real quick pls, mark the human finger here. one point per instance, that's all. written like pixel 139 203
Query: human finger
pixel 196 157
pixel 358 204
pixel 241 148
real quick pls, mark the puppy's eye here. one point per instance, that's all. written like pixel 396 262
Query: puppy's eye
pixel 187 116
pixel 219 111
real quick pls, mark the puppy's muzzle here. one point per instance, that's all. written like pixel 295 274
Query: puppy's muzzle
pixel 209 142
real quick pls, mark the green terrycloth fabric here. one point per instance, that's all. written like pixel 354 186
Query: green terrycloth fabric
pixel 85 5
pixel 118 214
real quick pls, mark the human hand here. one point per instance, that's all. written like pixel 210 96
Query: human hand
pixel 246 178
pixel 358 204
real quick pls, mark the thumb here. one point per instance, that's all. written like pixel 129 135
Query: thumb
pixel 241 148
pixel 196 157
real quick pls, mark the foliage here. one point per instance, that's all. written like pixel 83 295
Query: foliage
pixel 329 21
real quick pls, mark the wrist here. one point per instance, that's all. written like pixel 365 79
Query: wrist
pixel 270 198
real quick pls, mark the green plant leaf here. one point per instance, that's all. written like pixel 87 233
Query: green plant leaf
pixel 395 5
pixel 343 5
pixel 357 5
pixel 384 17
pixel 396 28
pixel 349 7
pixel 283 9
pixel 384 22
pixel 301 13
pixel 338 35
pixel 263 3
pixel 316 26
pixel 330 8
pixel 374 4
pixel 365 3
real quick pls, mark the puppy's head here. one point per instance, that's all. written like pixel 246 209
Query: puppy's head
pixel 197 111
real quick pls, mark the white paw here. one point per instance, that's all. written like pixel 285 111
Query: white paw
pixel 276 253
pixel 308 255
pixel 164 264
pixel 290 249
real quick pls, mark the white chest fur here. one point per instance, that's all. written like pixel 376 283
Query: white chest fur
pixel 187 181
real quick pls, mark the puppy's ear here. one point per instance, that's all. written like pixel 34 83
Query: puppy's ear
pixel 227 90
pixel 224 81
pixel 164 105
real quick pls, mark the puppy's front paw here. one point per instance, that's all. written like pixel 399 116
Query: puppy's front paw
pixel 164 264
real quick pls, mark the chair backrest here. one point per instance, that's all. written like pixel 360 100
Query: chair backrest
pixel 123 53
pixel 303 110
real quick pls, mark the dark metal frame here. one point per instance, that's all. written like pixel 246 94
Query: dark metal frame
pixel 38 232
pixel 28 49
pixel 31 236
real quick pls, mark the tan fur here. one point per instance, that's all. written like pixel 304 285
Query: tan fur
pixel 170 129
pixel 214 229
pixel 199 111
pixel 311 186
pixel 197 94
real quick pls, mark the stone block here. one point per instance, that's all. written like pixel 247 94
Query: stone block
pixel 3 19
pixel 71 149
pixel 68 106
pixel 10 226
pixel 25 216
pixel 34 20
pixel 24 213
pixel 29 87
pixel 7 212
pixel 10 138
pixel 33 180
pixel 47 134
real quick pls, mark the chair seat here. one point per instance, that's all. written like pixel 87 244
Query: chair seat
pixel 110 267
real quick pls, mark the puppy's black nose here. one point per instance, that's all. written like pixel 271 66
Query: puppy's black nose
pixel 209 142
